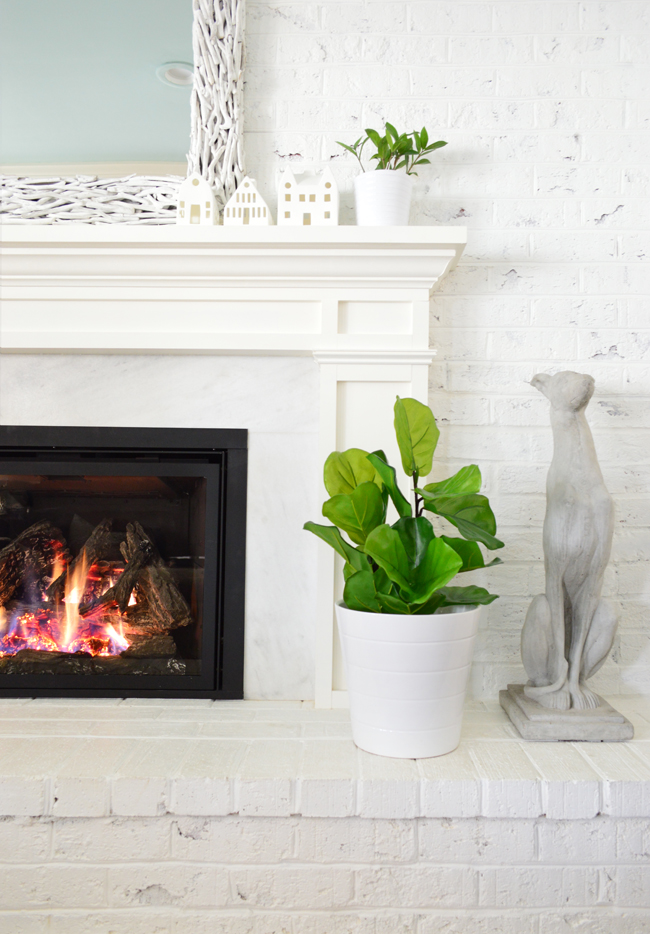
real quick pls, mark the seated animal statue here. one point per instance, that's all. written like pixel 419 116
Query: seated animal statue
pixel 569 629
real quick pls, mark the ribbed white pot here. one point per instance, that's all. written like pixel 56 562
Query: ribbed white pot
pixel 407 677
pixel 382 198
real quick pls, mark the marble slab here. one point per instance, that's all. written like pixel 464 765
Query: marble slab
pixel 276 399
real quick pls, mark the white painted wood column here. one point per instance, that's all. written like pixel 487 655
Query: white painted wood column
pixel 357 393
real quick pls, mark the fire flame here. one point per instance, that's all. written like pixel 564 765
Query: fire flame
pixel 59 627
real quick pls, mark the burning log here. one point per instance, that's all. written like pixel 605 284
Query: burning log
pixel 30 557
pixel 148 645
pixel 120 592
pixel 96 547
pixel 30 662
pixel 156 587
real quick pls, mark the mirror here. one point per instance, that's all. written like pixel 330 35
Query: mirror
pixel 79 89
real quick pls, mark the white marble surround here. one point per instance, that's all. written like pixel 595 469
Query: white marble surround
pixel 302 338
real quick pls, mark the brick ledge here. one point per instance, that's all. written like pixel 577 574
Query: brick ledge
pixel 145 758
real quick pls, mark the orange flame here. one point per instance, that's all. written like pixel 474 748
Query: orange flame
pixel 74 590
pixel 56 628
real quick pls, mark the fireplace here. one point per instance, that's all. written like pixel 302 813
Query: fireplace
pixel 122 562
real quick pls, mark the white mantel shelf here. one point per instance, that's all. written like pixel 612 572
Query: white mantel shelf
pixel 355 299
pixel 175 289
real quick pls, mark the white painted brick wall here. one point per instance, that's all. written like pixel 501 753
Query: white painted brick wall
pixel 323 876
pixel 312 834
pixel 545 107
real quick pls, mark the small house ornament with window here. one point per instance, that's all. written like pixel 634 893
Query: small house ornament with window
pixel 247 207
pixel 196 203
pixel 309 199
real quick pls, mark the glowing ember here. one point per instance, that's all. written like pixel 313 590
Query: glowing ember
pixel 58 627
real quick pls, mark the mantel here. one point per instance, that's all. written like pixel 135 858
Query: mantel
pixel 197 290
pixel 354 299
pixel 387 254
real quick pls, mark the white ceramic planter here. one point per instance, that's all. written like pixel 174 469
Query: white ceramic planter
pixel 407 677
pixel 382 198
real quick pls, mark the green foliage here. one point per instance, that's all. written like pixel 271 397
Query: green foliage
pixel 469 512
pixel 405 568
pixel 388 476
pixel 417 436
pixel 395 150
pixel 344 472
pixel 357 513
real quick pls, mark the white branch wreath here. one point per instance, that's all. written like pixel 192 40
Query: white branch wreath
pixel 215 144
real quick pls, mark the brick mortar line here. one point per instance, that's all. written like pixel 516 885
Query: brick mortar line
pixel 407 867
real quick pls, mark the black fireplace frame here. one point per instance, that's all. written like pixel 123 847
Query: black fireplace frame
pixel 224 455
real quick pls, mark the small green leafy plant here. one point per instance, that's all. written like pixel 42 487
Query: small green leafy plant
pixel 405 568
pixel 396 150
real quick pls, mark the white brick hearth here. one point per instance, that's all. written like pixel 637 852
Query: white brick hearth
pixel 189 817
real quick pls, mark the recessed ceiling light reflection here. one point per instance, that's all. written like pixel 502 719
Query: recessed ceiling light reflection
pixel 176 74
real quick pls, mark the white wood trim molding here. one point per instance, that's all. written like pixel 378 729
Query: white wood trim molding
pixel 356 299
pixel 408 357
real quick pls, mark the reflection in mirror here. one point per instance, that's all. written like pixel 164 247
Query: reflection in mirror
pixel 94 92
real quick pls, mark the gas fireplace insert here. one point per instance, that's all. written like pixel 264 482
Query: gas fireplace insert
pixel 122 554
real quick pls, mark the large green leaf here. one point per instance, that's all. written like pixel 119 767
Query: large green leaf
pixel 415 535
pixel 460 596
pixel 357 513
pixel 366 590
pixel 389 479
pixel 467 480
pixel 392 604
pixel 417 436
pixel 438 564
pixel 345 470
pixel 431 605
pixel 360 593
pixel 470 553
pixel 385 547
pixel 470 513
pixel 330 534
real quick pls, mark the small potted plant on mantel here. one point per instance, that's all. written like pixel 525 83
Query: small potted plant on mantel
pixel 383 198
pixel 406 634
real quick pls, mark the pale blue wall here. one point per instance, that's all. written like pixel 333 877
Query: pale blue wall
pixel 78 83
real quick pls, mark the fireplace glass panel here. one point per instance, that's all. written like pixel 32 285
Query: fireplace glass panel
pixel 103 572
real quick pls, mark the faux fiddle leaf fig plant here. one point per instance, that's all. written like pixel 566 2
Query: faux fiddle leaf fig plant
pixel 395 150
pixel 405 568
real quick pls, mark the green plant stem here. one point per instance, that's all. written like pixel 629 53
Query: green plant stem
pixel 419 502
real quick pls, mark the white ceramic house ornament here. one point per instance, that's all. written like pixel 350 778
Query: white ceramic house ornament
pixel 247 207
pixel 309 199
pixel 196 203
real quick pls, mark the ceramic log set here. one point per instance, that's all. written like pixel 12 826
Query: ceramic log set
pixel 569 629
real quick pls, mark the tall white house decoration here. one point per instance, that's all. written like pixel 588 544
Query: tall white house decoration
pixel 308 200
pixel 196 202
pixel 216 146
pixel 247 207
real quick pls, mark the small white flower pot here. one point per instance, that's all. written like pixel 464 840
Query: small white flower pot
pixel 407 677
pixel 382 198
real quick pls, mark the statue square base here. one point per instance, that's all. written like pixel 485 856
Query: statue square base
pixel 544 725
